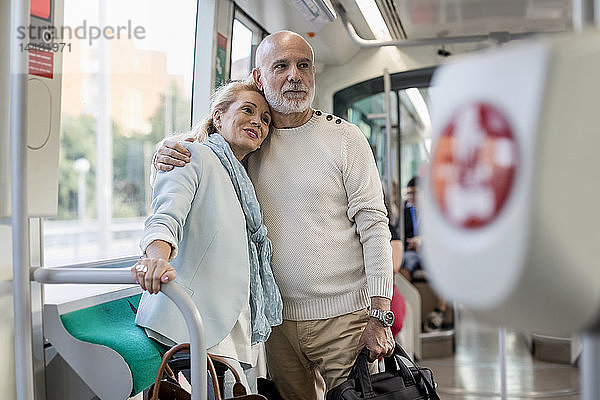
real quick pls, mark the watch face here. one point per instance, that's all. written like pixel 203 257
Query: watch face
pixel 388 318
pixel 385 317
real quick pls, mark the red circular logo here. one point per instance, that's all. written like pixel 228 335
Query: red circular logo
pixel 474 165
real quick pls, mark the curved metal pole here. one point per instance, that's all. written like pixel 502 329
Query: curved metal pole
pixel 495 37
pixel 23 341
pixel 181 299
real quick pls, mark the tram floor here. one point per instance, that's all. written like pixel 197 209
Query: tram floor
pixel 474 371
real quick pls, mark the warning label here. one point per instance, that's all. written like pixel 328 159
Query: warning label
pixel 41 63
pixel 474 165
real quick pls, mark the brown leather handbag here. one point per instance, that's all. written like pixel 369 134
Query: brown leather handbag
pixel 239 391
pixel 166 385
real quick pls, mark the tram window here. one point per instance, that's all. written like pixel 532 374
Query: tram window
pixel 415 124
pixel 369 114
pixel 241 50
pixel 364 105
pixel 245 38
pixel 120 96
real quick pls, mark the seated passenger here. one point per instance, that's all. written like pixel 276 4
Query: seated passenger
pixel 206 232
pixel 411 261
pixel 398 304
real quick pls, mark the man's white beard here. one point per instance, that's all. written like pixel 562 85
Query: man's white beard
pixel 279 103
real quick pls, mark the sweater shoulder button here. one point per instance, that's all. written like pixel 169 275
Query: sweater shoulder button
pixel 329 117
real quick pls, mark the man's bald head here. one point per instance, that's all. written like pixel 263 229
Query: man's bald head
pixel 275 42
pixel 285 72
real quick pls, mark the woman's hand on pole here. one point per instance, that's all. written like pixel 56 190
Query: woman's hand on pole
pixel 151 272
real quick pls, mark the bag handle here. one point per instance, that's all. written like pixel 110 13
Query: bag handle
pixel 213 374
pixel 398 350
pixel 163 366
pixel 360 373
pixel 239 391
pixel 394 363
pixel 238 387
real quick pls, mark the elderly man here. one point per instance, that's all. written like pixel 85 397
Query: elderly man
pixel 318 185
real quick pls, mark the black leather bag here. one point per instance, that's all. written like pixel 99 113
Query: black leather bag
pixel 398 382
pixel 267 388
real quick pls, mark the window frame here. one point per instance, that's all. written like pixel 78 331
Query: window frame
pixel 253 26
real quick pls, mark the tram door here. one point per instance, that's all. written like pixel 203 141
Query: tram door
pixel 364 104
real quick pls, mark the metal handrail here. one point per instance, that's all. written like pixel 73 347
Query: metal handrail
pixel 492 37
pixel 181 299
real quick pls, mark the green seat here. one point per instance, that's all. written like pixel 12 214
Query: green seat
pixel 112 324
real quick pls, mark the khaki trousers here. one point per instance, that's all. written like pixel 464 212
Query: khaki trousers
pixel 306 357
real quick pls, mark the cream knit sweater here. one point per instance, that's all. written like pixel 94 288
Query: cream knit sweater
pixel 323 207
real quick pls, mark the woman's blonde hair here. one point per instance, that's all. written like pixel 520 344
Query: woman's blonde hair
pixel 221 100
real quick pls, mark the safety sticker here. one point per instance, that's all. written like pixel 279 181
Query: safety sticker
pixel 41 63
pixel 474 165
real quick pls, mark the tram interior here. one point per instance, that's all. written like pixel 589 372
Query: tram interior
pixel 97 113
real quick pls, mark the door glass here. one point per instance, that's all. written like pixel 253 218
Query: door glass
pixel 364 105
pixel 122 91
pixel 246 36
pixel 241 51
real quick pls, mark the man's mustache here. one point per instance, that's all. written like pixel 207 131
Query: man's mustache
pixel 295 87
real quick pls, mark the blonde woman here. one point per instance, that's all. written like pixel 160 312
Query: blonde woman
pixel 206 233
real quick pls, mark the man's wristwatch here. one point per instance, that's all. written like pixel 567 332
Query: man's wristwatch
pixel 386 317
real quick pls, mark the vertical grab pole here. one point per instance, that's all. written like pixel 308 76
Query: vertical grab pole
pixel 387 88
pixel 20 236
pixel 502 355
pixel 584 13
pixel 590 357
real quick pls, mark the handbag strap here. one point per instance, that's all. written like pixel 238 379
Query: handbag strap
pixel 360 373
pixel 213 374
pixel 398 350
pixel 394 363
pixel 238 388
pixel 163 366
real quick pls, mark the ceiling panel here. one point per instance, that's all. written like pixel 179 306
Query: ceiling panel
pixel 427 19
pixel 433 18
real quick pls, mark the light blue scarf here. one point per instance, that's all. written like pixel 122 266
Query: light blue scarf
pixel 265 300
